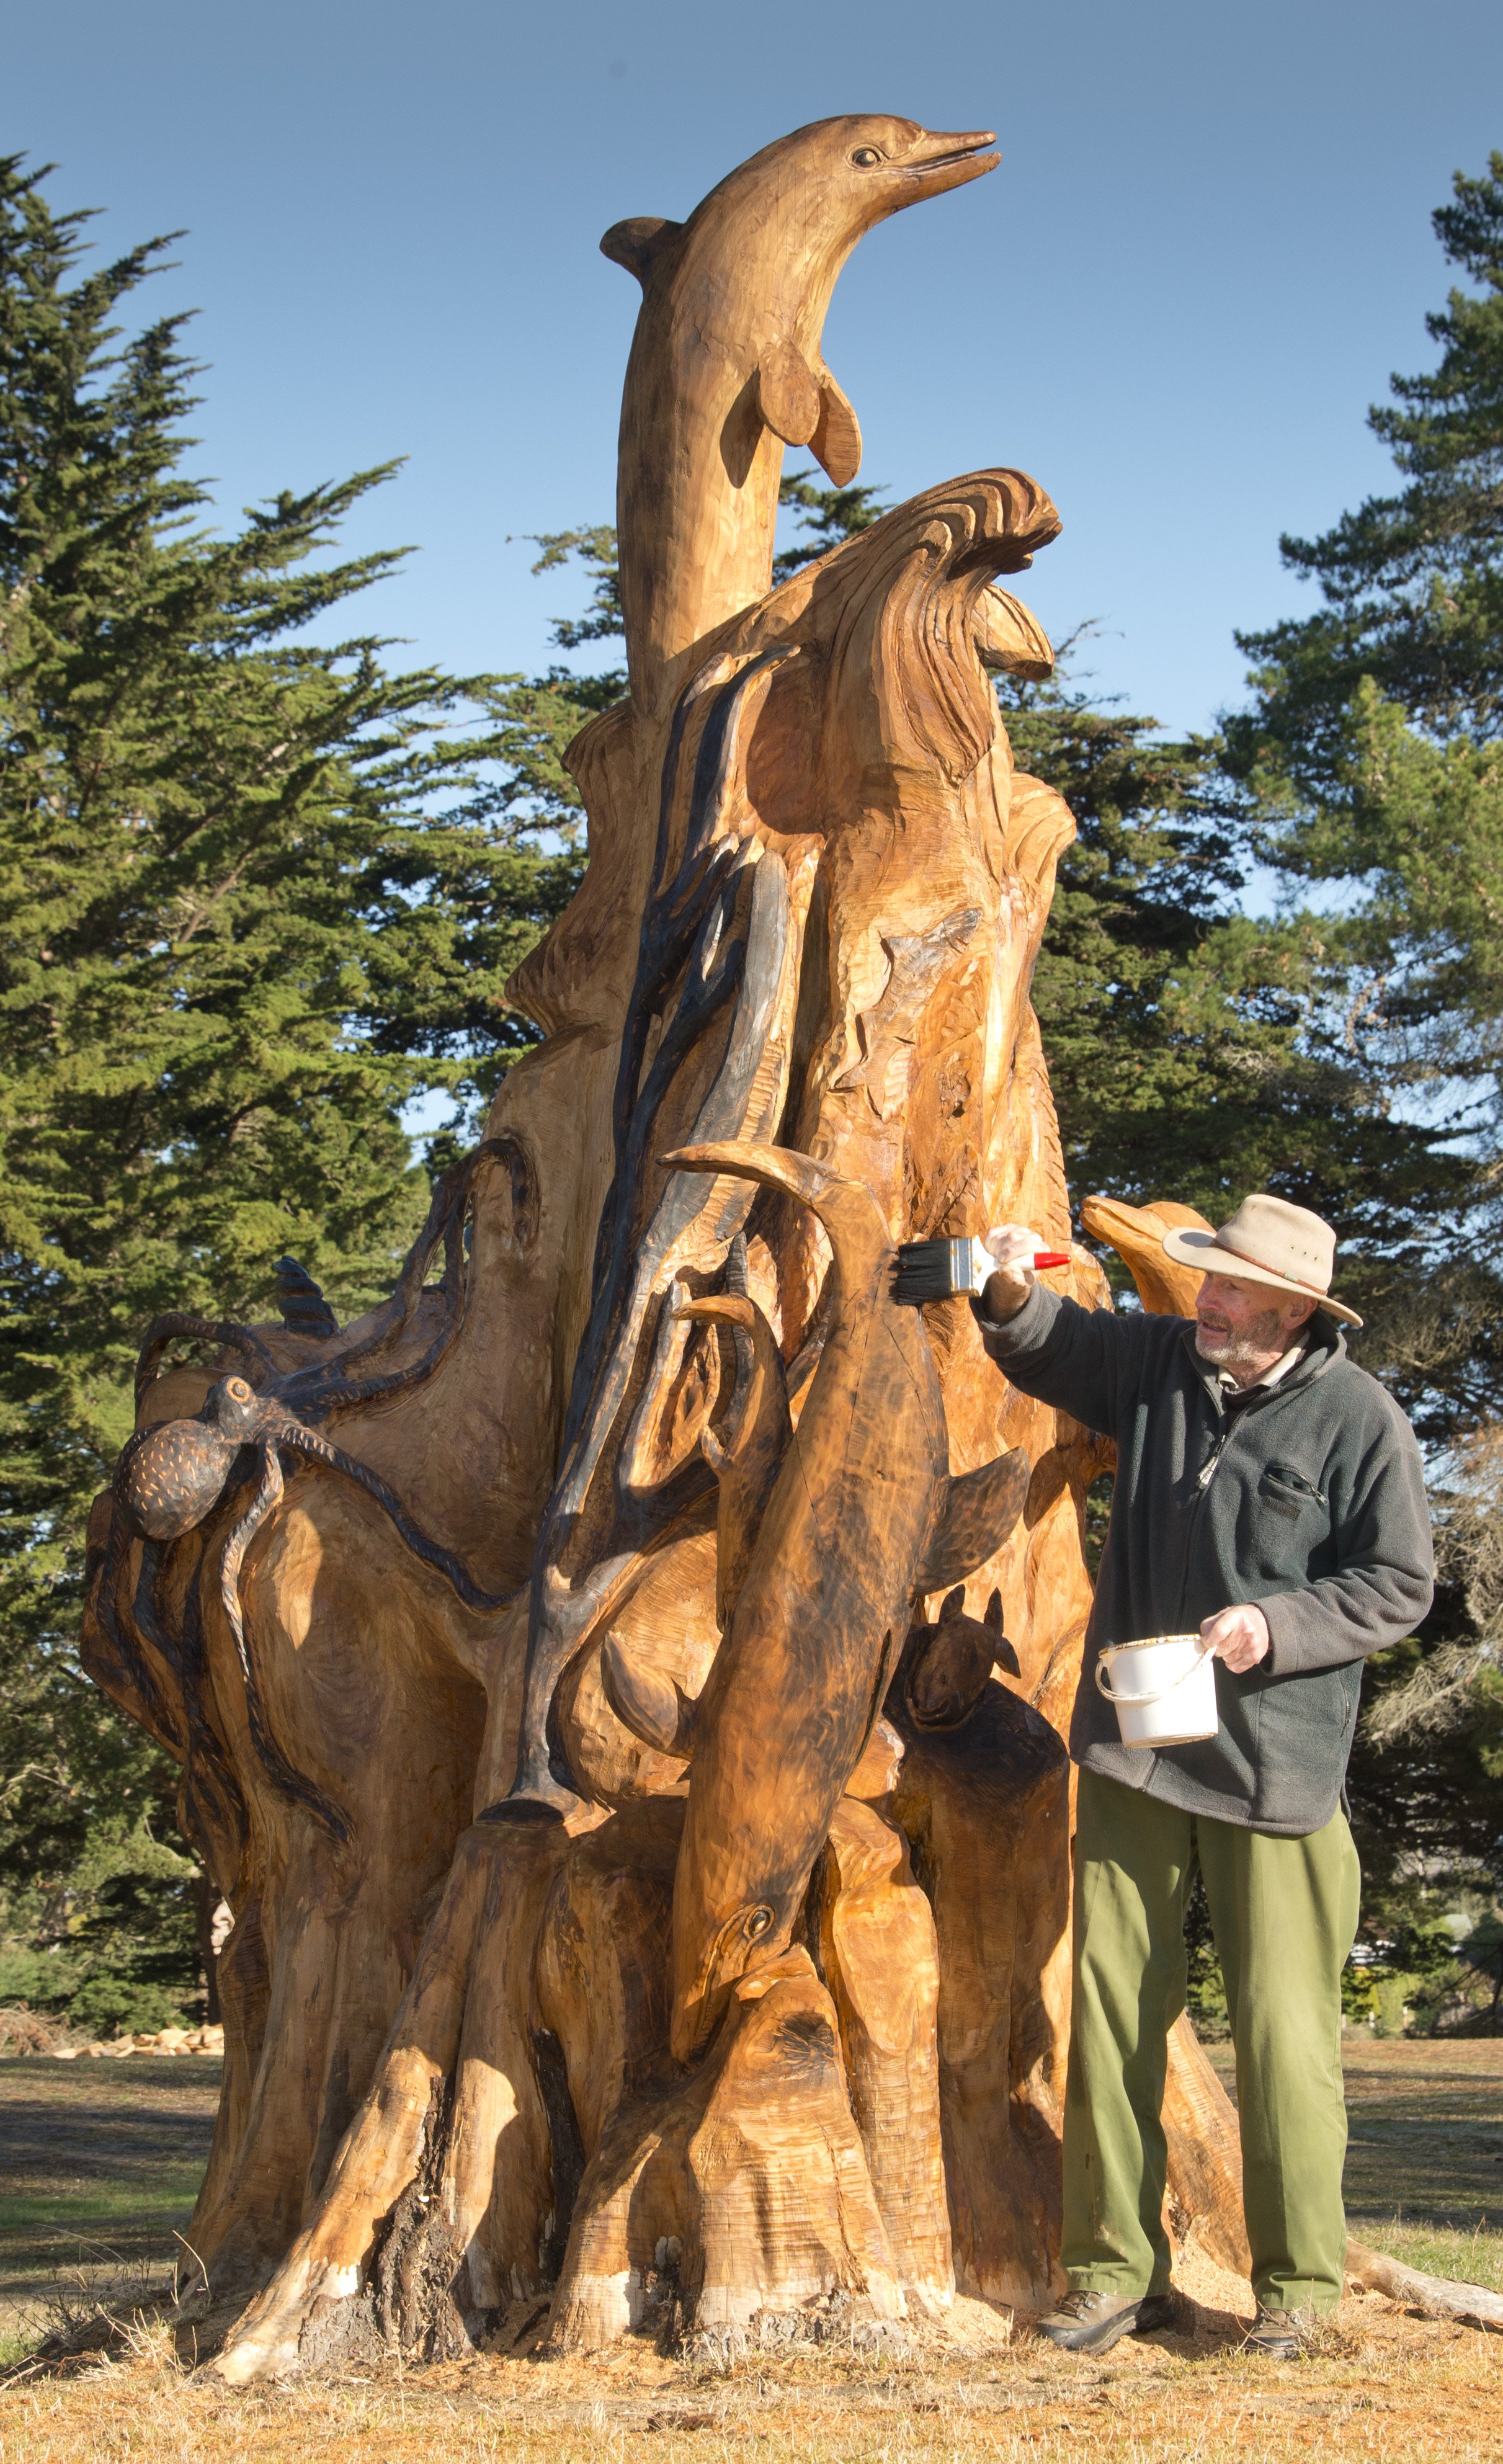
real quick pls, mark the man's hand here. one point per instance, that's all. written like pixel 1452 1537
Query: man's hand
pixel 1012 1246
pixel 1240 1636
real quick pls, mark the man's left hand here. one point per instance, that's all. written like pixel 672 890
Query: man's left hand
pixel 1240 1636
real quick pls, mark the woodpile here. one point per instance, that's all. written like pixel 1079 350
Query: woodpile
pixel 24 2032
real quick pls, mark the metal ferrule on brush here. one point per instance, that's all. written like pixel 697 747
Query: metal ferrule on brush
pixel 970 1264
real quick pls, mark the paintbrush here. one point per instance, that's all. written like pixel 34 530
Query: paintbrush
pixel 935 1271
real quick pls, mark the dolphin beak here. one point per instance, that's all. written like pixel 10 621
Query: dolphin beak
pixel 939 162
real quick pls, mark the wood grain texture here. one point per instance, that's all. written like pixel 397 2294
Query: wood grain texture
pixel 726 367
pixel 661 1900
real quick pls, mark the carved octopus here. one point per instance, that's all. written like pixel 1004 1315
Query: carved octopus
pixel 172 1474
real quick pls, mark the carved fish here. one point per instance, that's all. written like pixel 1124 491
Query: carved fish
pixel 726 367
pixel 862 1516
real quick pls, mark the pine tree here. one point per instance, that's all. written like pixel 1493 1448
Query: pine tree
pixel 1413 583
pixel 1372 745
pixel 1372 760
pixel 257 891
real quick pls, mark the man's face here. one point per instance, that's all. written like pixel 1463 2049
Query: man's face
pixel 1245 1326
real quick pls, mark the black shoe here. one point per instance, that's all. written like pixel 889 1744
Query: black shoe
pixel 1092 2322
pixel 1155 2310
pixel 1276 2334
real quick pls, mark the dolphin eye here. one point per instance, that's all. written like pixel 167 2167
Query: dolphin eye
pixel 864 156
pixel 757 1923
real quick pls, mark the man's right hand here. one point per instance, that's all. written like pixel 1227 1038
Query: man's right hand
pixel 1014 1247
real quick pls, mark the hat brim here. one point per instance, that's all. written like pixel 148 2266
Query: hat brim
pixel 1202 1249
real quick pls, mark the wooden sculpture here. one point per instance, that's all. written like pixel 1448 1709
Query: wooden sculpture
pixel 631 1751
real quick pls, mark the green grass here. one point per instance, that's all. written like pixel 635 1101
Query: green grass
pixel 105 2201
pixel 1467 2257
pixel 102 2225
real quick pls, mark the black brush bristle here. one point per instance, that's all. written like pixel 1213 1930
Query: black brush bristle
pixel 932 1270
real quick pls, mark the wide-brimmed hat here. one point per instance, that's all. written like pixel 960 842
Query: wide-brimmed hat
pixel 1269 1242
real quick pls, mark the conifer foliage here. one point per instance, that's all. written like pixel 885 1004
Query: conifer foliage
pixel 1372 757
pixel 1374 743
pixel 257 891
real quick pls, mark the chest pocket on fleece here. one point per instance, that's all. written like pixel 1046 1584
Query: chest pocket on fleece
pixel 1288 1492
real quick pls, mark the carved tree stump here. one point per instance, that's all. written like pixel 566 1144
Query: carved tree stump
pixel 618 1686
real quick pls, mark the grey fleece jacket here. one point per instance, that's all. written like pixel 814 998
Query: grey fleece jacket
pixel 1308 1499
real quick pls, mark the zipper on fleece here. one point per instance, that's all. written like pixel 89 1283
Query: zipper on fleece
pixel 1207 1471
pixel 1203 1481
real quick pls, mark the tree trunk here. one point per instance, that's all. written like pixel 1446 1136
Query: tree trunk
pixel 644 1897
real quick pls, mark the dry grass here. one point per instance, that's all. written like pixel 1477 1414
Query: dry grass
pixel 1427 2128
pixel 1383 2386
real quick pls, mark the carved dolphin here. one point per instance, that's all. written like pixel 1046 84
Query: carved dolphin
pixel 725 365
pixel 862 1516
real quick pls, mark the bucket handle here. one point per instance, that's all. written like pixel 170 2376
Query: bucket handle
pixel 1164 1693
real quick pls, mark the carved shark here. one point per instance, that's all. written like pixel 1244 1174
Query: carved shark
pixel 726 367
pixel 862 1516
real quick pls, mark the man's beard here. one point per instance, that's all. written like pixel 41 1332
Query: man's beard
pixel 1263 1340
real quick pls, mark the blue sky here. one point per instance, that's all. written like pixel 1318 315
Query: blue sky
pixel 1208 246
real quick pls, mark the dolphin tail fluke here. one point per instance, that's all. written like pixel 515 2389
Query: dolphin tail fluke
pixel 651 1705
pixel 636 242
pixel 980 1509
pixel 747 1460
pixel 858 1229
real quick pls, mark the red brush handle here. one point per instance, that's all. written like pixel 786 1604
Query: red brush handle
pixel 1051 1258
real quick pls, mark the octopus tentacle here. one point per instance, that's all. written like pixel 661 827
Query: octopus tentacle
pixel 432 1552
pixel 178 1324
pixel 327 1390
pixel 207 1774
pixel 131 1664
pixel 284 1775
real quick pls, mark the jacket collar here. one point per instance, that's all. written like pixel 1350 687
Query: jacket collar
pixel 1326 1344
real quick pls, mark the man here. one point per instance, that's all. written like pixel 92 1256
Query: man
pixel 1270 1492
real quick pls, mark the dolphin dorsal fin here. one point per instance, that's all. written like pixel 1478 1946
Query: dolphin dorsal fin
pixel 746 1455
pixel 836 442
pixel 979 1510
pixel 635 242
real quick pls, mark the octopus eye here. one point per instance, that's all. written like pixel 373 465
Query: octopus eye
pixel 756 1923
pixel 865 158
pixel 237 1389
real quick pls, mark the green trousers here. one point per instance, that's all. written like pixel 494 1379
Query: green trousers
pixel 1284 1912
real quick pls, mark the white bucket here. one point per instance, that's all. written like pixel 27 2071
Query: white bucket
pixel 1169 1697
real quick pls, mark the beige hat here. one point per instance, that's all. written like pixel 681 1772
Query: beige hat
pixel 1269 1242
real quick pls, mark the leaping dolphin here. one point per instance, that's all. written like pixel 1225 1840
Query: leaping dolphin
pixel 862 1516
pixel 726 367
